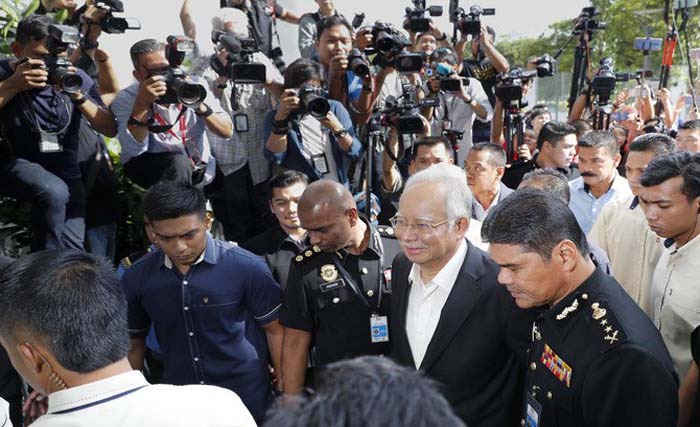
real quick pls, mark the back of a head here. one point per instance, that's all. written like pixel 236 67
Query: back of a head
pixel 452 182
pixel 548 180
pixel 365 391
pixel 553 132
pixel 70 302
pixel 678 164
pixel 172 199
pixel 231 15
pixel 658 143
pixel 534 220
pixel 33 28
pixel 598 139
pixel 582 127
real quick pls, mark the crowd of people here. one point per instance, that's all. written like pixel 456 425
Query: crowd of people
pixel 356 238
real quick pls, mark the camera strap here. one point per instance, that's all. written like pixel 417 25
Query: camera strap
pixel 168 128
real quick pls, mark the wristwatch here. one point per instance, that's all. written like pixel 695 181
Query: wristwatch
pixel 341 134
pixel 206 113
pixel 136 122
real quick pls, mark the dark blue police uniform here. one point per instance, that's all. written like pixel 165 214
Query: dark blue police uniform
pixel 597 360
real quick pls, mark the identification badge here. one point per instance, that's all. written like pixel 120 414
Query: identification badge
pixel 533 410
pixel 320 163
pixel 49 143
pixel 379 328
pixel 240 122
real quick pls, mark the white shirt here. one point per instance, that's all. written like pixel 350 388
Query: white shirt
pixel 128 400
pixel 426 300
pixel 675 300
pixel 5 413
pixel 316 142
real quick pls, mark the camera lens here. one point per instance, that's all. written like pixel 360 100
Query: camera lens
pixel 318 107
pixel 385 42
pixel 71 82
pixel 191 94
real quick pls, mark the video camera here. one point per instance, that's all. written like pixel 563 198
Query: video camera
pixel 603 83
pixel 111 24
pixel 389 45
pixel 468 22
pixel 585 22
pixel 416 20
pixel 545 65
pixel 180 91
pixel 448 83
pixel 60 38
pixel 358 63
pixel 314 100
pixel 240 67
pixel 405 109
pixel 509 86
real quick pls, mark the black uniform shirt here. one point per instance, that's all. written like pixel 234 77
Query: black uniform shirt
pixel 278 249
pixel 597 360
pixel 334 295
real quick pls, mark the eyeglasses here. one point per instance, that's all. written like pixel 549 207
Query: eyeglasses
pixel 422 227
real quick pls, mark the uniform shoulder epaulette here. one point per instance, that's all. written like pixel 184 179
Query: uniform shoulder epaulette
pixel 607 325
pixel 386 231
pixel 307 254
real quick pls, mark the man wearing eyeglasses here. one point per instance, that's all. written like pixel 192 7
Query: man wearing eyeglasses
pixel 338 290
pixel 449 317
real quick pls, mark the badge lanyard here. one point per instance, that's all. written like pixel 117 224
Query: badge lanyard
pixel 183 132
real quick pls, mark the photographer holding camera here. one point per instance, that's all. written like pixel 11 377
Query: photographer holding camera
pixel 163 118
pixel 307 132
pixel 42 100
pixel 461 101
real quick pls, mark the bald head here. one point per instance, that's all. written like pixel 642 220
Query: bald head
pixel 326 197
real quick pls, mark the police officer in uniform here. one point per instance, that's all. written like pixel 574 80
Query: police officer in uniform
pixel 338 290
pixel 594 358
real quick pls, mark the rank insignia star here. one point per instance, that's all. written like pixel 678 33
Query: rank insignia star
pixel 608 329
pixel 604 322
pixel 612 338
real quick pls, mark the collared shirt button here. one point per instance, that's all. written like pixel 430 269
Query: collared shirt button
pixel 533 366
pixel 196 359
pixel 186 308
pixel 549 395
pixel 364 270
pixel 184 282
pixel 191 334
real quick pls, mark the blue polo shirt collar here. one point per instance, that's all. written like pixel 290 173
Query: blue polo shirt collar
pixel 210 255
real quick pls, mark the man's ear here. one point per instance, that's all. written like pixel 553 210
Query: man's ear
pixel 567 254
pixel 32 357
pixel 617 159
pixel 16 49
pixel 352 215
pixel 462 225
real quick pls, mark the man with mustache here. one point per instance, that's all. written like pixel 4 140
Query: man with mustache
pixel 599 184
pixel 338 291
pixel 670 198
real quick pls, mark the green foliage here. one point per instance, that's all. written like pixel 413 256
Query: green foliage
pixel 626 19
pixel 11 12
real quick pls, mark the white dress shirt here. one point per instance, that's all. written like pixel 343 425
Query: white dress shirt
pixel 675 300
pixel 128 400
pixel 426 300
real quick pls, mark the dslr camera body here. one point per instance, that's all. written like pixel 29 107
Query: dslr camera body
pixel 449 83
pixel 314 100
pixel 111 24
pixel 180 91
pixel 60 38
pixel 405 110
pixel 240 67
pixel 603 83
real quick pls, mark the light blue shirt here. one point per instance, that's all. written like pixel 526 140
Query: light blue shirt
pixel 586 207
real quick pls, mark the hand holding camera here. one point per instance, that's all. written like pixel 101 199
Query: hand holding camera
pixel 151 90
pixel 289 102
pixel 29 74
pixel 339 63
pixel 332 123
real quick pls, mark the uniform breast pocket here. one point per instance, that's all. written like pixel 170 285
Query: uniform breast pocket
pixel 685 298
pixel 332 294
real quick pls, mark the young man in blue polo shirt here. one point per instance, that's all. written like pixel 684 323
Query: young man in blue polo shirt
pixel 214 306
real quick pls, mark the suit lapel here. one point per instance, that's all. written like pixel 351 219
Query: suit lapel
pixel 459 304
pixel 402 270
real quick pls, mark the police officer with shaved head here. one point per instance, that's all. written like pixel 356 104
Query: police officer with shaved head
pixel 595 358
pixel 338 290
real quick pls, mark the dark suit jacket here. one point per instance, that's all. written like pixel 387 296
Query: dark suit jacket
pixel 470 352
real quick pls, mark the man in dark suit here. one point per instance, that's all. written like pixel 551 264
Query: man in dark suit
pixel 449 317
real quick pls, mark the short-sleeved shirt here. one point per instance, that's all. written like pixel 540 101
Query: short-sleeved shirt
pixel 51 111
pixel 208 322
pixel 334 295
